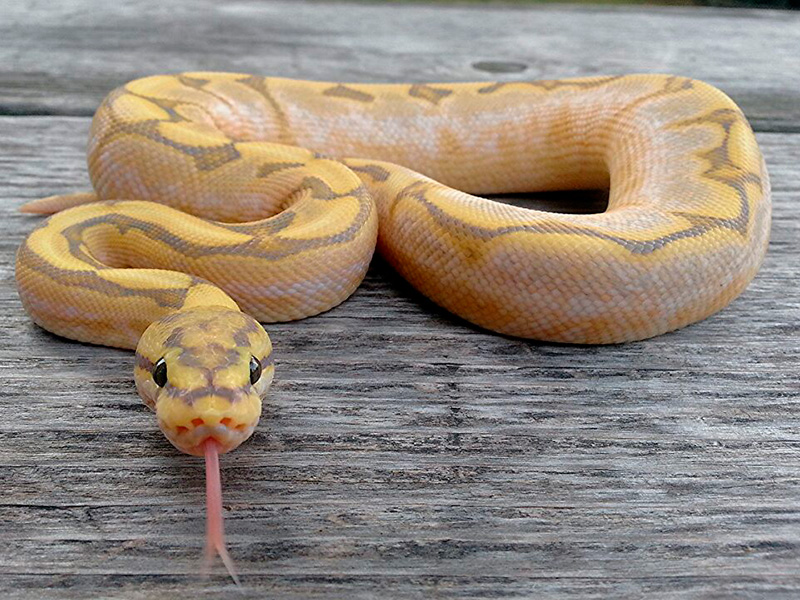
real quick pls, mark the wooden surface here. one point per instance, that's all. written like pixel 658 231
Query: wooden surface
pixel 404 453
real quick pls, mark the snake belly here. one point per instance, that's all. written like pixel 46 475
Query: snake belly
pixel 271 193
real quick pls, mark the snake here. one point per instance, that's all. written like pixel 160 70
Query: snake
pixel 222 201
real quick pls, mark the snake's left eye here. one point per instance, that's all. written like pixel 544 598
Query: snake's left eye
pixel 255 370
pixel 160 372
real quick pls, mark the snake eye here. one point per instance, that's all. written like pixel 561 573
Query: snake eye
pixel 160 372
pixel 255 370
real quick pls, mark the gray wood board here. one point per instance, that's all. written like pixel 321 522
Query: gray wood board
pixel 404 453
pixel 64 60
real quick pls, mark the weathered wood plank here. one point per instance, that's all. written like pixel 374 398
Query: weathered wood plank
pixel 405 453
pixel 64 60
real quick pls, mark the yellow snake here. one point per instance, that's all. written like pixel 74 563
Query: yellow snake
pixel 300 178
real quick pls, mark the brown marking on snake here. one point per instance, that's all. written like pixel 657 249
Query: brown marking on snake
pixel 259 84
pixel 76 234
pixel 672 85
pixel 429 93
pixel 143 362
pixel 718 157
pixel 376 172
pixel 206 158
pixel 196 83
pixel 343 91
pixel 320 190
pixel 191 396
pixel 415 190
pixel 699 224
pixel 90 280
pixel 225 357
pixel 113 96
pixel 275 224
pixel 720 162
pixel 165 104
pixel 172 318
pixel 640 247
pixel 268 169
pixel 291 247
pixel 241 336
pixel 551 84
pixel 174 299
pixel 175 337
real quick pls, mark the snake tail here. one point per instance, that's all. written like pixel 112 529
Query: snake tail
pixel 54 204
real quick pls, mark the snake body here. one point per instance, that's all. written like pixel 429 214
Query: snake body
pixel 224 199
pixel 685 230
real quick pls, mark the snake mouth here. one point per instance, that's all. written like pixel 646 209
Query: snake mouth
pixel 191 438
pixel 188 425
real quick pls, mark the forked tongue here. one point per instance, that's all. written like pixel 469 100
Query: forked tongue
pixel 215 528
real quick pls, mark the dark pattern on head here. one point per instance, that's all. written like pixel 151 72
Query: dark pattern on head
pixel 208 345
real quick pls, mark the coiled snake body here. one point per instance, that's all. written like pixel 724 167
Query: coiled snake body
pixel 295 220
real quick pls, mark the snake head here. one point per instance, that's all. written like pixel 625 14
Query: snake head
pixel 205 371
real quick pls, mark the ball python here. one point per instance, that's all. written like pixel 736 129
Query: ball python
pixel 222 200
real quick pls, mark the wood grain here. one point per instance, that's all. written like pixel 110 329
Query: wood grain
pixel 404 453
pixel 63 61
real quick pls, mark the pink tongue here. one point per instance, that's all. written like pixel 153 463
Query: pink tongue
pixel 215 528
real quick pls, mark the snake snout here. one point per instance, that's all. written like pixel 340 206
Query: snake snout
pixel 229 423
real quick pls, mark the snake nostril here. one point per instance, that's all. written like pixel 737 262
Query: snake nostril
pixel 181 429
pixel 197 422
pixel 226 421
pixel 241 427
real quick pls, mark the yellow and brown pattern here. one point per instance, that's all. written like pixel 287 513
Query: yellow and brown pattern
pixel 685 230
pixel 224 199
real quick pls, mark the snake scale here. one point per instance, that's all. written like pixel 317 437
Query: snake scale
pixel 222 200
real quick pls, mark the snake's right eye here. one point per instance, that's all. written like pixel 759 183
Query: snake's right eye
pixel 160 372
pixel 255 370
